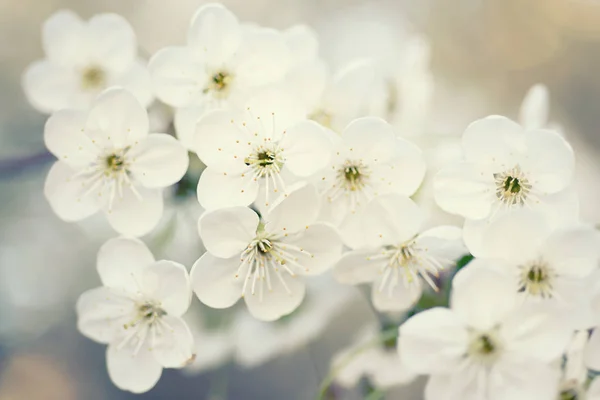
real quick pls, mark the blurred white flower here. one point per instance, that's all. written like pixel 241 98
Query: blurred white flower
pixel 368 357
pixel 535 108
pixel 397 254
pixel 269 145
pixel 107 161
pixel 506 168
pixel 257 342
pixel 221 65
pixel 82 59
pixel 137 312
pixel 486 346
pixel 369 161
pixel 263 260
pixel 548 266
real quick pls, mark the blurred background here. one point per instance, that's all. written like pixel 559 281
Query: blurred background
pixel 485 55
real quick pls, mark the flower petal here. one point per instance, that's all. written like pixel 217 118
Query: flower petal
pixel 263 58
pixel 280 300
pixel 320 248
pixel 136 79
pixel 169 283
pixel 50 87
pixel 64 137
pixel 404 176
pixel 477 290
pixel 391 219
pixel 493 140
pixel 228 231
pixel 177 78
pixel 294 212
pixel 215 33
pixel 159 160
pixel 174 347
pixel 592 352
pixel 66 194
pixel 113 42
pixel 573 251
pixel 214 281
pixel 121 261
pixel 395 297
pixel 433 342
pixel 135 216
pixel 534 108
pixel 218 190
pixel 185 121
pixel 102 312
pixel 133 372
pixel 357 267
pixel 307 148
pixel 371 139
pixel 62 36
pixel 117 118
pixel 465 189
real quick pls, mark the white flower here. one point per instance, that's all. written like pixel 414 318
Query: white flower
pixel 397 254
pixel 486 346
pixel 137 312
pixel 82 59
pixel 535 108
pixel 107 161
pixel 369 161
pixel 506 168
pixel 269 145
pixel 221 65
pixel 367 357
pixel 263 261
pixel 549 266
pixel 257 342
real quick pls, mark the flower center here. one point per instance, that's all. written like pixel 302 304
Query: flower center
pixel 536 279
pixel 512 186
pixel 354 176
pixel 114 163
pixel 484 347
pixel 322 117
pixel 570 394
pixel 93 78
pixel 218 84
pixel 147 313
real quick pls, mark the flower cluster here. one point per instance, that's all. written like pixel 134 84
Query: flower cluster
pixel 301 175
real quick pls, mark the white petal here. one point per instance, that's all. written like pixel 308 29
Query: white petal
pixel 158 160
pixel 404 175
pixel 117 118
pixel 390 220
pixel 121 262
pixel 220 143
pixel 493 139
pixel 278 301
pixel 400 298
pixel 465 189
pixel 371 139
pixel 535 333
pixel 593 392
pixel 50 87
pixel 177 78
pixel 303 42
pixel 136 79
pixel 550 160
pixel 214 33
pixel 214 281
pixel 263 58
pixel 220 189
pixel 168 282
pixel 444 243
pixel 592 352
pixel 358 267
pixel 294 212
pixel 133 216
pixel 185 124
pixel 534 109
pixel 66 194
pixel 306 147
pixel 433 341
pixel 321 248
pixel 135 373
pixel 102 312
pixel 174 347
pixel 483 295
pixel 64 137
pixel 515 237
pixel 308 81
pixel 520 380
pixel 351 228
pixel 62 36
pixel 113 41
pixel 573 251
pixel 228 231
